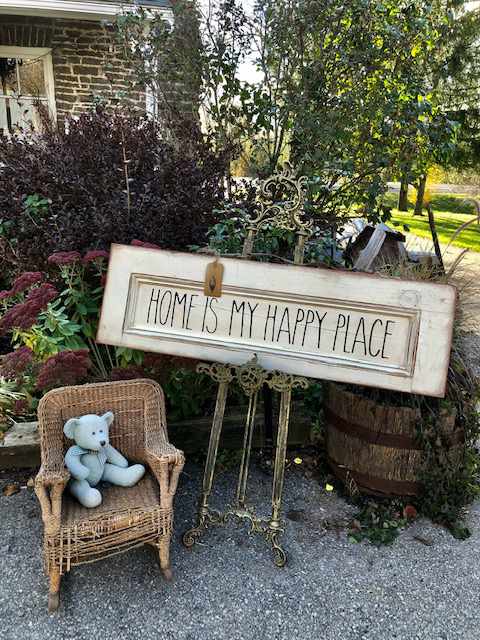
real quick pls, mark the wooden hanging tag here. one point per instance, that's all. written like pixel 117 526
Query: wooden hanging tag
pixel 213 279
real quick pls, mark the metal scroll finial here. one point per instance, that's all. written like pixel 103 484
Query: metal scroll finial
pixel 281 204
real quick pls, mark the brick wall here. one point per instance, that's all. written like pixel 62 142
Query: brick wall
pixel 87 64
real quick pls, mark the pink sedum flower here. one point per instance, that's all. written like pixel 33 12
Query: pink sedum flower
pixel 25 314
pixel 95 255
pixel 20 407
pixel 25 281
pixel 15 363
pixel 41 296
pixel 131 372
pixel 62 258
pixel 145 245
pixel 63 369
pixel 5 294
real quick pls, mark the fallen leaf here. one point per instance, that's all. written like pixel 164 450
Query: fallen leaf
pixel 428 542
pixel 410 512
pixel 328 487
pixel 356 525
pixel 297 460
pixel 11 489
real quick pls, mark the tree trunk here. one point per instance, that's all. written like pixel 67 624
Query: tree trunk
pixel 436 244
pixel 420 196
pixel 403 195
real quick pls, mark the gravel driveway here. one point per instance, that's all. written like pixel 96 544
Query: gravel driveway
pixel 227 587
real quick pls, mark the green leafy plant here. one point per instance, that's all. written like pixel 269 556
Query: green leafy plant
pixel 35 207
pixel 16 398
pixel 227 237
pixel 188 394
pixel 378 522
pixel 81 300
pixel 53 332
pixel 9 393
pixel 451 476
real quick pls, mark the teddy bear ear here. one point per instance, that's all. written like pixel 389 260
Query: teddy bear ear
pixel 69 428
pixel 108 417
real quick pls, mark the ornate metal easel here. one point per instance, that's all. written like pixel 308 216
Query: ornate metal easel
pixel 285 214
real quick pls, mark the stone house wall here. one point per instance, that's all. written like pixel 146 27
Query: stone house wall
pixel 87 62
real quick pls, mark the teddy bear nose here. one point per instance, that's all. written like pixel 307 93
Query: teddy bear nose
pixel 102 443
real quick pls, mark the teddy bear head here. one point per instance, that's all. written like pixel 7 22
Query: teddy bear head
pixel 90 431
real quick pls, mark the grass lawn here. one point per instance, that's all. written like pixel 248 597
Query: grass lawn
pixel 451 211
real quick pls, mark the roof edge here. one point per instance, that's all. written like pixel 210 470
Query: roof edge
pixel 76 9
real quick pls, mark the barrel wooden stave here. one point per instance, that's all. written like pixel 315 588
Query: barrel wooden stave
pixel 376 445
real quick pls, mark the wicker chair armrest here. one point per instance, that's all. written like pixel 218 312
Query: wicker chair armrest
pixel 164 451
pixel 49 477
pixel 49 486
pixel 166 463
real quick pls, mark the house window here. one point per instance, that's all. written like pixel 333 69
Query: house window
pixel 26 85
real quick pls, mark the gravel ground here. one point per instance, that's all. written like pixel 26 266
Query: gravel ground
pixel 228 587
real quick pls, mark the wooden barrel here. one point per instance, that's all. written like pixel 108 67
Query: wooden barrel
pixel 374 445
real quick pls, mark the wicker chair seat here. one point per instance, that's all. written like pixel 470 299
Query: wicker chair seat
pixel 142 498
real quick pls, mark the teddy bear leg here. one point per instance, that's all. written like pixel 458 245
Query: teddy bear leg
pixel 85 494
pixel 123 477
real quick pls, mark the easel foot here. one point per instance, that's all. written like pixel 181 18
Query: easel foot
pixel 279 555
pixel 205 519
pixel 269 530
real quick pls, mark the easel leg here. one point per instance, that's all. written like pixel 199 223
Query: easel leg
pixel 274 525
pixel 268 420
pixel 205 515
pixel 247 448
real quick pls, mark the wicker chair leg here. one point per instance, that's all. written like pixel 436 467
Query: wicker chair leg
pixel 164 558
pixel 54 592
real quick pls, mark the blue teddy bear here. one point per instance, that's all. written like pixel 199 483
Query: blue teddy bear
pixel 93 459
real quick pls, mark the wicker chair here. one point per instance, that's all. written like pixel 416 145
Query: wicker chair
pixel 127 518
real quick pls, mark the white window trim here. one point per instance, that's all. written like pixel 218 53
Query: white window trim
pixel 68 9
pixel 37 52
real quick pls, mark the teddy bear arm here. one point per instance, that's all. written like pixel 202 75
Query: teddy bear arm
pixel 115 457
pixel 74 465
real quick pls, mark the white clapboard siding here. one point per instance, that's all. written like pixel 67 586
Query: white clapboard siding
pixel 321 323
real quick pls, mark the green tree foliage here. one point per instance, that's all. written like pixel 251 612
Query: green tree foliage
pixel 460 87
pixel 452 72
pixel 348 90
pixel 354 93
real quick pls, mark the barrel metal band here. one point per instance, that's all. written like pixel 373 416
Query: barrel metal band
pixel 375 485
pixel 394 440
